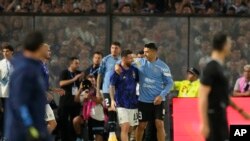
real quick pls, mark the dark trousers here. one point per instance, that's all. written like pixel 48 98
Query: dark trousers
pixel 66 115
pixel 2 100
pixel 218 126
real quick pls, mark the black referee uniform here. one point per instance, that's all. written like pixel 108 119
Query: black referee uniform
pixel 218 100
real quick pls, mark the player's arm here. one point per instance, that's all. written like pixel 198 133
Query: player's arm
pixel 99 81
pixel 207 80
pixel 203 108
pixel 136 63
pixel 168 82
pixel 237 108
pixel 100 75
pixel 113 80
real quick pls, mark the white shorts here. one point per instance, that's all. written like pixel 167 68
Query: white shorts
pixel 49 114
pixel 127 116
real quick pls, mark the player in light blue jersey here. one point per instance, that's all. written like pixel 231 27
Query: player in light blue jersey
pixel 105 71
pixel 155 82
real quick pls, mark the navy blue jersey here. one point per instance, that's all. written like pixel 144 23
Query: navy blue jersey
pixel 125 87
pixel 26 103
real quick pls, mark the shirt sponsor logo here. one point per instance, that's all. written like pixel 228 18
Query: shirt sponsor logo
pixel 148 80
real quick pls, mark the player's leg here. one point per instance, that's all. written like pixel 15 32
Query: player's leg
pixel 159 123
pixel 111 114
pixel 140 130
pixel 145 111
pixel 123 118
pixel 133 121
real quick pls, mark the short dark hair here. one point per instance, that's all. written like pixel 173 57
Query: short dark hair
pixel 98 52
pixel 71 59
pixel 126 5
pixel 140 52
pixel 219 41
pixel 9 47
pixel 151 46
pixel 126 52
pixel 33 41
pixel 116 43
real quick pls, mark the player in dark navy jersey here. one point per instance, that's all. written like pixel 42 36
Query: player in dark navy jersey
pixel 123 94
pixel 25 108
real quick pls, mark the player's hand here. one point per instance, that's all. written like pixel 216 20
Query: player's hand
pixel 245 115
pixel 113 105
pixel 49 97
pixel 85 94
pixel 118 69
pixel 158 100
pixel 33 134
pixel 205 130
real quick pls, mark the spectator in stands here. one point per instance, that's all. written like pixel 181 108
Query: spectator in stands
pixel 242 85
pixel 187 9
pixel 151 8
pixel 101 7
pixel 126 9
pixel 177 6
pixel 240 6
pixel 190 86
pixel 231 11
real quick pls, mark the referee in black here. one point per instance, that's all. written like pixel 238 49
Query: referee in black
pixel 214 93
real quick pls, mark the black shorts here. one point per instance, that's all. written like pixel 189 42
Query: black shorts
pixel 96 127
pixel 218 126
pixel 150 112
pixel 107 100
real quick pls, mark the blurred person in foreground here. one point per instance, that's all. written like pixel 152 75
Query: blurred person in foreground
pixel 25 108
pixel 214 93
pixel 190 86
pixel 242 85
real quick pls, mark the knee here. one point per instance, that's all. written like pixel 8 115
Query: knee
pixel 142 126
pixel 77 120
pixel 125 128
pixel 159 124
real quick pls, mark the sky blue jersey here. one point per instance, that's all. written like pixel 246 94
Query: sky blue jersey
pixel 106 70
pixel 154 78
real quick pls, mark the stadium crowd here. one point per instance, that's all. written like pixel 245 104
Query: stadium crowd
pixel 204 7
